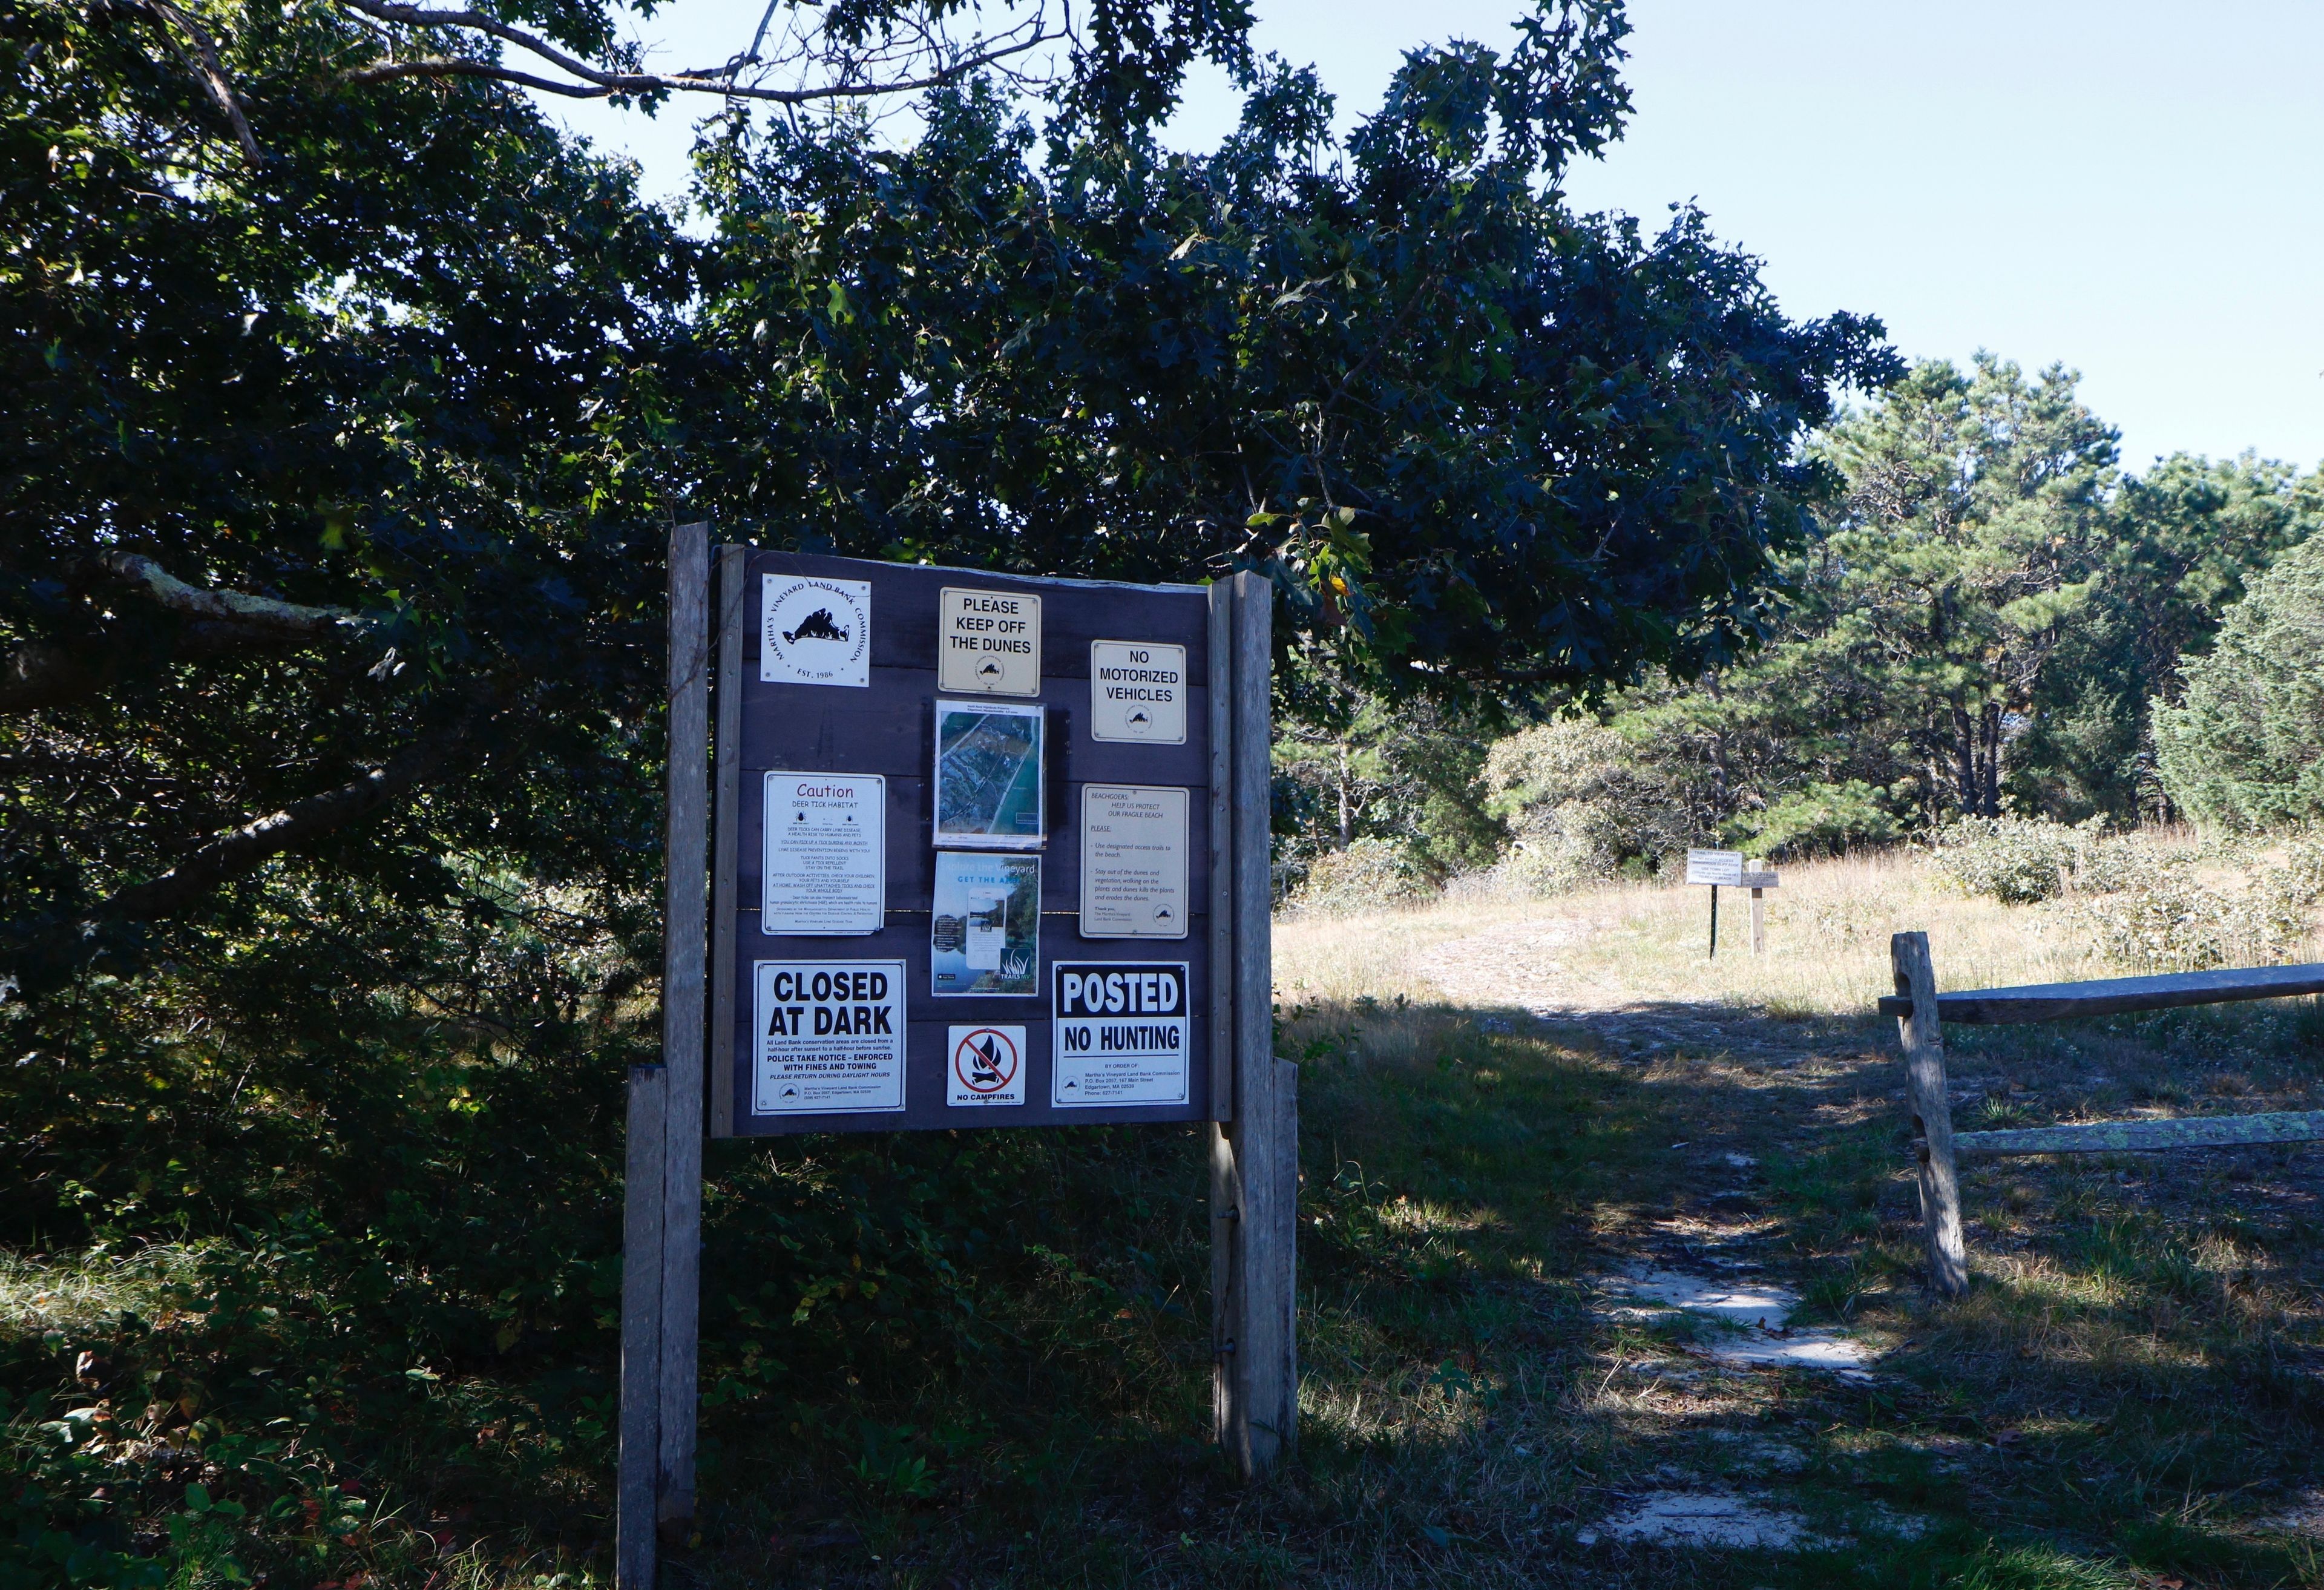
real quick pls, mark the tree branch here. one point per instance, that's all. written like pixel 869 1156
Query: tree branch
pixel 210 73
pixel 598 84
pixel 258 614
pixel 38 674
pixel 233 854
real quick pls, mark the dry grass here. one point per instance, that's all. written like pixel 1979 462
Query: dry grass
pixel 1639 944
pixel 2125 1399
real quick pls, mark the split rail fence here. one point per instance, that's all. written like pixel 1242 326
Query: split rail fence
pixel 1921 1011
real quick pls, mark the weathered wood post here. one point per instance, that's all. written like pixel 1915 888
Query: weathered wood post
pixel 1751 872
pixel 1255 1157
pixel 1931 1112
pixel 662 1217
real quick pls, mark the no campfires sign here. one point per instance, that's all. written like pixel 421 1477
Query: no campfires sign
pixel 988 1066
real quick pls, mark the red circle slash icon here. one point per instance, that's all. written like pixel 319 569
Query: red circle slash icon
pixel 985 1060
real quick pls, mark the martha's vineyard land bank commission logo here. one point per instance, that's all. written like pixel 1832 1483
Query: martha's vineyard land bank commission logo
pixel 815 631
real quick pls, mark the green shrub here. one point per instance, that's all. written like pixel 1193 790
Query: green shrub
pixel 1822 820
pixel 2157 913
pixel 1581 803
pixel 2246 749
pixel 1368 874
pixel 2017 861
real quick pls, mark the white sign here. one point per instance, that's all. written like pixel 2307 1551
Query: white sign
pixel 1138 692
pixel 1121 1033
pixel 826 854
pixel 815 631
pixel 1133 862
pixel 830 1038
pixel 988 1066
pixel 1714 866
pixel 989 641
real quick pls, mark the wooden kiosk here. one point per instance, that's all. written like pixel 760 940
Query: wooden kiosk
pixel 966 850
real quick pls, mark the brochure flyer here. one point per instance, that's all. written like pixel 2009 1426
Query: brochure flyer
pixel 985 932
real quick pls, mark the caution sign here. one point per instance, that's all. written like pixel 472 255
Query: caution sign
pixel 1121 1033
pixel 830 1038
pixel 1138 692
pixel 989 641
pixel 988 1066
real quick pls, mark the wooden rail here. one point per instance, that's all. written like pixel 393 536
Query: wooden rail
pixel 2183 1132
pixel 1921 1011
pixel 2055 1001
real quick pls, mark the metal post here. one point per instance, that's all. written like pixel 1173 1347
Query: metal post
pixel 1714 921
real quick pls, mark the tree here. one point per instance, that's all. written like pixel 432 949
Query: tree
pixel 318 510
pixel 1480 442
pixel 2246 747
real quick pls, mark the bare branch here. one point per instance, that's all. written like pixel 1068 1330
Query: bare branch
pixel 210 72
pixel 597 83
pixel 39 674
pixel 264 615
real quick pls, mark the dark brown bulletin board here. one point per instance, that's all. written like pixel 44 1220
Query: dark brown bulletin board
pixel 888 727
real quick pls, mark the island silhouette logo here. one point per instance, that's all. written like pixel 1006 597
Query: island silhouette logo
pixel 816 625
pixel 815 631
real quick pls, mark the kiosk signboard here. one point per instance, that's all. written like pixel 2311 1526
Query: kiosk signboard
pixel 992 798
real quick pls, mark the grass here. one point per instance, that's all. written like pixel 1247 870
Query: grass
pixel 937 1361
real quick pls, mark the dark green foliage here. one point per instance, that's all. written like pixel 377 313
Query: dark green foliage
pixel 1465 429
pixel 1979 626
pixel 2243 749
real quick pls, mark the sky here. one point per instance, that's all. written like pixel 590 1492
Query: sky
pixel 2126 188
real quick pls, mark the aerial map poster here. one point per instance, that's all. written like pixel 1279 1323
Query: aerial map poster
pixel 989 789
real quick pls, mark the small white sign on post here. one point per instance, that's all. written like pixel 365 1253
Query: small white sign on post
pixel 1715 867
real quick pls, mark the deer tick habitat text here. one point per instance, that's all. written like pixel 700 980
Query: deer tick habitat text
pixel 1120 1030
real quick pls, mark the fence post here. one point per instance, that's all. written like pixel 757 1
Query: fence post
pixel 640 1405
pixel 1255 1158
pixel 1932 1111
pixel 661 1224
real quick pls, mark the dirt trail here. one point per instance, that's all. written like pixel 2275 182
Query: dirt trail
pixel 1529 965
pixel 1705 1260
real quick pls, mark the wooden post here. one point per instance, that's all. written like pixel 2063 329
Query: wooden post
pixel 1256 1158
pixel 1225 1205
pixel 1759 909
pixel 685 920
pixel 641 1404
pixel 661 1227
pixel 1932 1111
pixel 725 819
